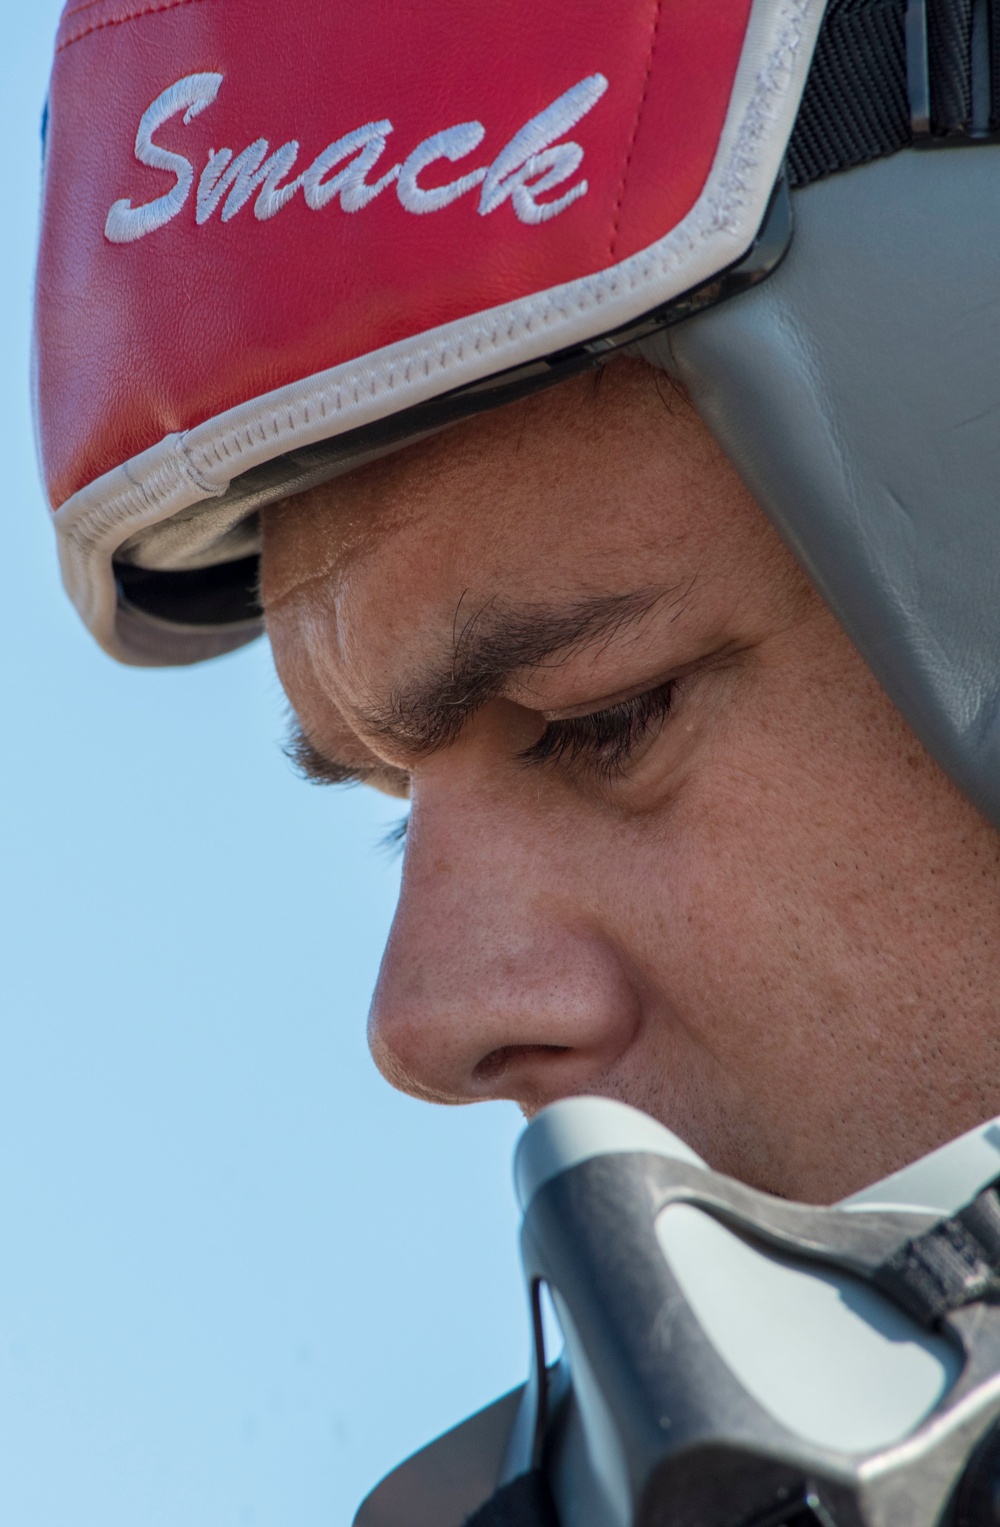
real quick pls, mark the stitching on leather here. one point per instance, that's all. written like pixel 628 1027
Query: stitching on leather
pixel 99 26
pixel 79 8
pixel 616 218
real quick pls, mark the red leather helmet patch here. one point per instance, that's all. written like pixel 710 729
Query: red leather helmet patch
pixel 265 225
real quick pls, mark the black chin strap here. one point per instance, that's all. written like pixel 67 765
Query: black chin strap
pixel 955 1264
pixel 889 74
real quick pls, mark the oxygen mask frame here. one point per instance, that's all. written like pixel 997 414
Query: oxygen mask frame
pixel 733 1359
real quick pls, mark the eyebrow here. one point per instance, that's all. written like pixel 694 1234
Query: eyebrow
pixel 489 645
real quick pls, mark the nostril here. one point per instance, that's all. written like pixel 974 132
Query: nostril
pixel 500 1061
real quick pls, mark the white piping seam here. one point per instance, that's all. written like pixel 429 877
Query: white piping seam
pixel 182 470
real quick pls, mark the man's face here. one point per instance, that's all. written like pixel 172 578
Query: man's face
pixel 668 840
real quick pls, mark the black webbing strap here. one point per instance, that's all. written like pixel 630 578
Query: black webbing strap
pixel 949 54
pixel 525 1502
pixel 860 101
pixel 956 1263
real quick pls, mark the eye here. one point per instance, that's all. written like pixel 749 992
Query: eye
pixel 606 740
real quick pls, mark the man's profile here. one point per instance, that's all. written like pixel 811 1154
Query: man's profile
pixel 599 411
pixel 665 832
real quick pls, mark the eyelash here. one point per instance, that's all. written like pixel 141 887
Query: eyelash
pixel 393 842
pixel 606 739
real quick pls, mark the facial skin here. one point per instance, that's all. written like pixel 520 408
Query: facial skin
pixel 748 903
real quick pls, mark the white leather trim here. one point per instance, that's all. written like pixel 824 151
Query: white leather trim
pixel 189 468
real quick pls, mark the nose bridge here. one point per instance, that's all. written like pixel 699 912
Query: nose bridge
pixel 498 963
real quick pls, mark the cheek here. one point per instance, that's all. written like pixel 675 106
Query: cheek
pixel 783 891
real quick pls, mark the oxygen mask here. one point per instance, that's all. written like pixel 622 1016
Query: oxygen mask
pixel 731 1359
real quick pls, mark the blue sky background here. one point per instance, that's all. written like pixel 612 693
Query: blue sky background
pixel 240 1278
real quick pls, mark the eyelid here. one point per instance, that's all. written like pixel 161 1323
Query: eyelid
pixel 704 662
pixel 609 702
pixel 625 725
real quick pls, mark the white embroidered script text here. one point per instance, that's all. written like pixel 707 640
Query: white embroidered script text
pixel 531 166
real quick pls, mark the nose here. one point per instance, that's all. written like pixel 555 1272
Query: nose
pixel 499 979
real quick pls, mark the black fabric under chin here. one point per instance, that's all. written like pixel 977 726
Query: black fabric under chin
pixel 525 1502
pixel 856 106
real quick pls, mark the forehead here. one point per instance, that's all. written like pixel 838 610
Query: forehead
pixel 612 465
pixel 606 486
